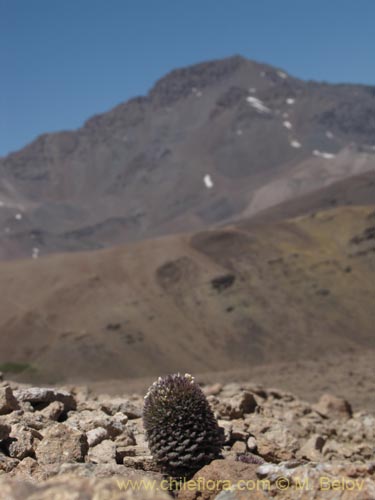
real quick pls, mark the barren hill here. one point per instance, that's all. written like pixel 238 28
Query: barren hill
pixel 213 300
pixel 210 143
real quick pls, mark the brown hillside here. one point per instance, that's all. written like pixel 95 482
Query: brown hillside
pixel 214 300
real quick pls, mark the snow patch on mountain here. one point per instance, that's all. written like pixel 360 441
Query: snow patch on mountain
pixel 35 253
pixel 258 104
pixel 323 154
pixel 208 181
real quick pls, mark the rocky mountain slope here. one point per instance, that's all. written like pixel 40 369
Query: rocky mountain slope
pixel 355 190
pixel 210 143
pixel 219 299
pixel 66 443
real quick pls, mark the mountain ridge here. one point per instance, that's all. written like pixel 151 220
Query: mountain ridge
pixel 138 170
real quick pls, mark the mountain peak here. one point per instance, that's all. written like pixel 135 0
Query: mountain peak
pixel 179 82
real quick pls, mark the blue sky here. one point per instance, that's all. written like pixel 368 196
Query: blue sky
pixel 63 61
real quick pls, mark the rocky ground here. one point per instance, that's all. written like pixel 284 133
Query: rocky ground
pixel 67 443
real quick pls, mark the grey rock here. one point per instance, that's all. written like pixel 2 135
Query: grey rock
pixel 54 410
pixel 23 441
pixel 87 420
pixel 62 444
pixel 45 395
pixel 95 436
pixel 124 406
pixel 103 453
pixel 7 464
pixel 237 406
pixel 8 402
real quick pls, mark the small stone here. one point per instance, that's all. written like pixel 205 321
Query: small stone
pixel 23 441
pixel 124 406
pixel 312 449
pixel 145 463
pixel 7 464
pixel 4 431
pixel 238 447
pixel 333 407
pixel 103 453
pixel 237 406
pixel 28 469
pixel 334 449
pixel 238 431
pixel 8 402
pixel 127 438
pixel 227 427
pixel 54 410
pixel 277 443
pixel 87 420
pixel 134 451
pixel 42 396
pixel 62 444
pixel 95 436
pixel 251 443
pixel 212 390
pixel 267 469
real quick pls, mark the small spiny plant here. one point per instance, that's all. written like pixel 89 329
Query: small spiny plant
pixel 181 429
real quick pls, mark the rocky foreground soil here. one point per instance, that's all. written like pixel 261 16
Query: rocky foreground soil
pixel 66 443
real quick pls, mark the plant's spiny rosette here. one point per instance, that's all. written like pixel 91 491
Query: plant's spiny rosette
pixel 181 429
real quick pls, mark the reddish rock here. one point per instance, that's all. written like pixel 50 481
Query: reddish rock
pixel 334 407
